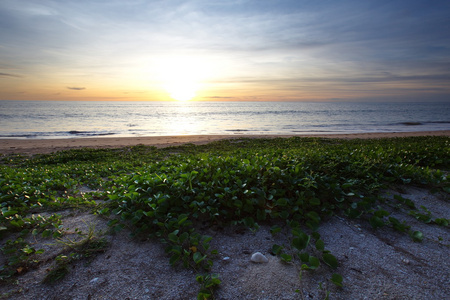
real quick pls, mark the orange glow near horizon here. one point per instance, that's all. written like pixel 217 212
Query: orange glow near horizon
pixel 185 78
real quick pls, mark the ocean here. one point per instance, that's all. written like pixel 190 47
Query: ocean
pixel 66 119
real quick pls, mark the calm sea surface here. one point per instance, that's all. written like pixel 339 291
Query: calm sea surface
pixel 64 119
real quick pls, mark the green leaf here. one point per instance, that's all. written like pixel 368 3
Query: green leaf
pixel 183 237
pixel 275 229
pixel 376 222
pixel 198 257
pixel 46 233
pixel 381 213
pixel 118 228
pixel 104 211
pixel 28 250
pixel 417 236
pixel 200 278
pixel 282 202
pixel 276 249
pixel 313 216
pixel 112 222
pixel 320 245
pixel 173 236
pixel 314 201
pixel 304 257
pixel 204 294
pixel 441 222
pixel 9 213
pixel 337 279
pixel 284 214
pixel 330 260
pixel 174 249
pixel 301 241
pixel 315 235
pixel 397 225
pixel 347 185
pixel 17 223
pixel 214 280
pixel 286 257
pixel 261 214
pixel 174 258
pixel 182 220
pixel 314 262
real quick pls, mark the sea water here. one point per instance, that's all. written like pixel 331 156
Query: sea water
pixel 67 119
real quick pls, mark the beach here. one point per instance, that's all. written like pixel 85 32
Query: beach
pixel 374 263
pixel 45 146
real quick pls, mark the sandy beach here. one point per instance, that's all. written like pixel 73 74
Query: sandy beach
pixel 375 264
pixel 36 146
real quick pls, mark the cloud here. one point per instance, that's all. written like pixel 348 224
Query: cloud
pixel 291 45
pixel 219 97
pixel 9 75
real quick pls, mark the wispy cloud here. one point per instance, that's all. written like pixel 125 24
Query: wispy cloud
pixel 9 75
pixel 76 88
pixel 219 97
pixel 285 44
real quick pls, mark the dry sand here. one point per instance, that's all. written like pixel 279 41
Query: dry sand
pixel 375 264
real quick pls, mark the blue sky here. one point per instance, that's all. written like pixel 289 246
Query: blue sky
pixel 229 50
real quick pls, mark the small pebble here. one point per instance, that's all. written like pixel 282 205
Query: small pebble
pixel 258 257
pixel 94 280
pixel 226 258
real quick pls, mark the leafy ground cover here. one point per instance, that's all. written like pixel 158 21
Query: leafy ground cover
pixel 170 193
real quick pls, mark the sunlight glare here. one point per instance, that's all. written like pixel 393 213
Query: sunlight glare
pixel 182 76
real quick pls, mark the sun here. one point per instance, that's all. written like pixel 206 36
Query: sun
pixel 181 77
pixel 181 89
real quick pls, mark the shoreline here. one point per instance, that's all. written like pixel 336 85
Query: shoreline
pixel 45 146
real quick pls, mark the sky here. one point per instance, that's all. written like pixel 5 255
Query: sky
pixel 235 50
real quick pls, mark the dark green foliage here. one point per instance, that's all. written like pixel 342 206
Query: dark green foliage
pixel 208 283
pixel 84 247
pixel 20 256
pixel 166 193
pixel 337 279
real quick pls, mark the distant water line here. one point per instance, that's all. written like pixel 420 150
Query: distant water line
pixel 65 119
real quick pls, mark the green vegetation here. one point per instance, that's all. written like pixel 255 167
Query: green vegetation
pixel 86 245
pixel 166 193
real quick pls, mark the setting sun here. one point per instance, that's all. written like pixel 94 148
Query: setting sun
pixel 181 89
pixel 182 76
pixel 182 94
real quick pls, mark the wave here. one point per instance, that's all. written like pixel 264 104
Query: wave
pixel 18 136
pixel 56 134
pixel 46 120
pixel 416 123
pixel 89 133
pixel 439 122
pixel 411 123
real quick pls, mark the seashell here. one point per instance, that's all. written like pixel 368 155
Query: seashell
pixel 258 257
